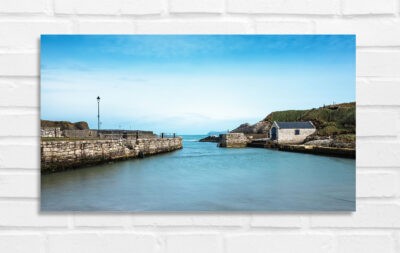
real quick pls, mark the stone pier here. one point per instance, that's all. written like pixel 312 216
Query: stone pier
pixel 233 140
pixel 59 155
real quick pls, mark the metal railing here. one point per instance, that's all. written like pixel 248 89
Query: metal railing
pixel 127 134
pixel 168 135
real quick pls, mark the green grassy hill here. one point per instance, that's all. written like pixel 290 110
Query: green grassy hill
pixel 338 119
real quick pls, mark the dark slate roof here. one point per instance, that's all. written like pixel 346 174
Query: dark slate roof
pixel 295 124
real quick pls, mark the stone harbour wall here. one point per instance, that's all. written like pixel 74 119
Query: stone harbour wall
pixel 86 133
pixel 64 155
pixel 51 132
pixel 233 140
pixel 328 151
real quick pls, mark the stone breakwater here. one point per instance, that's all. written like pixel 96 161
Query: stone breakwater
pixel 233 140
pixel 304 148
pixel 66 154
pixel 51 132
pixel 329 151
pixel 57 132
pixel 240 140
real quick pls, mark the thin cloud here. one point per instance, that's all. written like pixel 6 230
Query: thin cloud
pixel 197 82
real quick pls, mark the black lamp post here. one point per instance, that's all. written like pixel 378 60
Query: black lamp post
pixel 98 115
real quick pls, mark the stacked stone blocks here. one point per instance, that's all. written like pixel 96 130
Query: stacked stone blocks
pixel 64 155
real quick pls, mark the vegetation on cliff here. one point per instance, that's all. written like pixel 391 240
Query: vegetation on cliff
pixel 65 125
pixel 336 124
pixel 329 120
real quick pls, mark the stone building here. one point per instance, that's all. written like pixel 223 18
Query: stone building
pixel 291 132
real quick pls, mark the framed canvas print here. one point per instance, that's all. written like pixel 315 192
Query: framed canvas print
pixel 188 123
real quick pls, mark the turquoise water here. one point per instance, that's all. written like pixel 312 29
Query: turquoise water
pixel 203 177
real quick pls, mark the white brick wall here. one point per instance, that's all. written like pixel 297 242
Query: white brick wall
pixel 375 227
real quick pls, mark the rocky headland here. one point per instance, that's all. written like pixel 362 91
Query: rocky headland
pixel 211 138
pixel 335 129
pixel 65 125
pixel 261 127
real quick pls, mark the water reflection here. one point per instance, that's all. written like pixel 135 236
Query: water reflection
pixel 202 177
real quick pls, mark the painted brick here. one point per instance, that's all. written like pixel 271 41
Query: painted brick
pixel 164 220
pixel 194 243
pixel 101 220
pixel 283 27
pixel 161 220
pixel 369 123
pixel 106 27
pixel 275 220
pixel 365 243
pixel 379 92
pixel 20 125
pixel 199 27
pixel 22 6
pixel 28 64
pixel 22 242
pixel 142 7
pixel 372 215
pixel 370 32
pixel 108 7
pixel 87 7
pixel 26 214
pixel 378 154
pixel 381 184
pixel 378 63
pixel 368 7
pixel 26 34
pixel 200 6
pixel 10 156
pixel 260 243
pixel 319 7
pixel 372 228
pixel 231 220
pixel 101 242
pixel 19 185
pixel 19 92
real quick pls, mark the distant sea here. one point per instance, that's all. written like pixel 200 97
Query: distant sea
pixel 203 177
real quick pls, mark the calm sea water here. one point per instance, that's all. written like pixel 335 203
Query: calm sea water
pixel 203 177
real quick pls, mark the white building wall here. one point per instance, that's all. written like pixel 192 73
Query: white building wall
pixel 288 135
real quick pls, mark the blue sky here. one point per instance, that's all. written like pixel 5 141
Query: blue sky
pixel 191 84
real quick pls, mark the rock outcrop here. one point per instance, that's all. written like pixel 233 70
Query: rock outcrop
pixel 64 125
pixel 338 141
pixel 211 139
pixel 261 127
